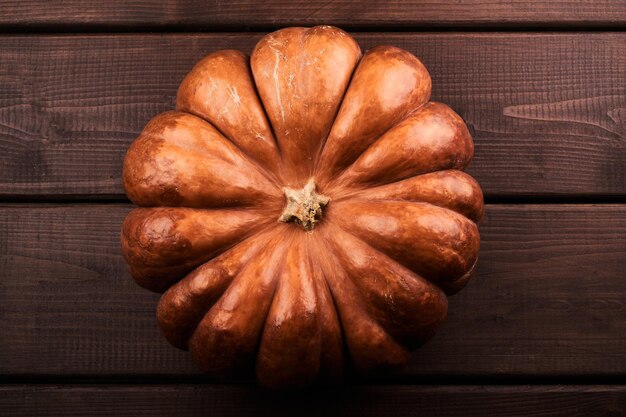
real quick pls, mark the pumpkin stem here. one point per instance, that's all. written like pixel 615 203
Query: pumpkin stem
pixel 303 206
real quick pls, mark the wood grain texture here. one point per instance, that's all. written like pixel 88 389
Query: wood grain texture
pixel 547 111
pixel 549 298
pixel 244 14
pixel 194 400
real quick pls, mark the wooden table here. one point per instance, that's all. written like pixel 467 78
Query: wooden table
pixel 542 84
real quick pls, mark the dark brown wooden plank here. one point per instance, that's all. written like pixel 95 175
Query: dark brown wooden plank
pixel 195 400
pixel 549 299
pixel 548 111
pixel 242 14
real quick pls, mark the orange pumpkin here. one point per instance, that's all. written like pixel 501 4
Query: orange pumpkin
pixel 304 210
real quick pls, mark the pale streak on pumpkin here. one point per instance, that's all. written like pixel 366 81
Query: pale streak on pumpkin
pixel 270 296
pixel 234 95
pixel 235 99
pixel 276 86
pixel 278 55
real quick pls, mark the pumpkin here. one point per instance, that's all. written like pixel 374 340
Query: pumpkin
pixel 303 210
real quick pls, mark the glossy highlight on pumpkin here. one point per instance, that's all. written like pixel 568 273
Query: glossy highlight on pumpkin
pixel 304 210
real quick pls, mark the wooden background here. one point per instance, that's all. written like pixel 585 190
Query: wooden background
pixel 542 85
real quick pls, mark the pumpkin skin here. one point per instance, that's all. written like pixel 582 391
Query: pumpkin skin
pixel 304 211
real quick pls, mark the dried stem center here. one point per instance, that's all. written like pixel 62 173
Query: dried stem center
pixel 303 206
